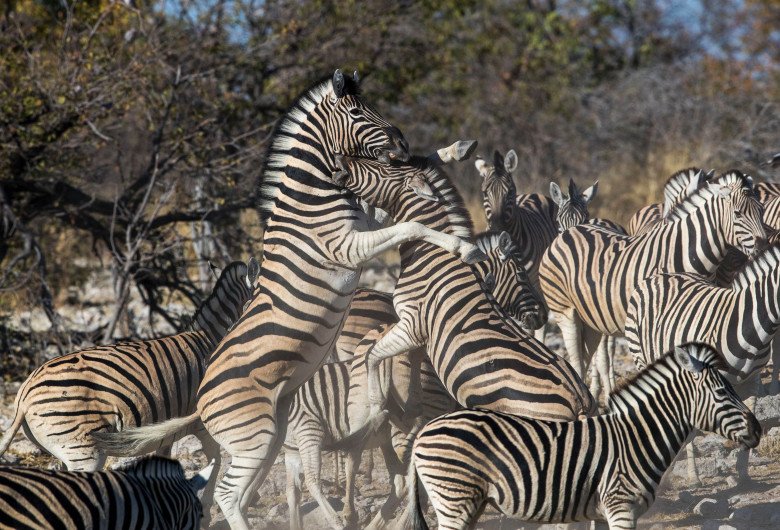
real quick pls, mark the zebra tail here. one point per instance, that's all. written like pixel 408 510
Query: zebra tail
pixel 413 516
pixel 12 430
pixel 146 438
pixel 361 436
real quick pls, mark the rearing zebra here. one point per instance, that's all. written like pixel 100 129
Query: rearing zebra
pixel 588 274
pixel 316 240
pixel 482 357
pixel 602 468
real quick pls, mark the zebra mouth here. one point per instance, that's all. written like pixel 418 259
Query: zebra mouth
pixel 751 439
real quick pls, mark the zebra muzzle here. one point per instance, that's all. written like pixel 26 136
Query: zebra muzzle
pixel 753 427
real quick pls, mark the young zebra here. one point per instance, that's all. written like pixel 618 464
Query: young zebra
pixel 740 321
pixel 694 239
pixel 151 493
pixel 119 386
pixel 605 468
pixel 677 188
pixel 316 240
pixel 482 357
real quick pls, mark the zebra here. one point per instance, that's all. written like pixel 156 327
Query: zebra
pixel 120 386
pixel 589 273
pixel 316 239
pixel 740 321
pixel 319 416
pixel 529 218
pixel 151 493
pixel 767 190
pixel 676 189
pixel 482 357
pixel 603 468
pixel 572 209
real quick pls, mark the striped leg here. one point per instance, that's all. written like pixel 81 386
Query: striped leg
pixel 249 467
pixel 212 452
pixel 294 469
pixel 310 449
pixel 774 384
pixel 397 340
pixel 571 329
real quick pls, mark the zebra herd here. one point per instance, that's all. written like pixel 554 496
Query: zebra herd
pixel 446 375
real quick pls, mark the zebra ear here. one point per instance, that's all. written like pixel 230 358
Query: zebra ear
pixel 687 361
pixel 510 161
pixel 589 193
pixel 214 270
pixel 505 245
pixel 420 186
pixel 355 77
pixel 199 481
pixel 498 160
pixel 252 272
pixel 338 84
pixel 556 193
pixel 490 281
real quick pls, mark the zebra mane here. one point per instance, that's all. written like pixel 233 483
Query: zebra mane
pixel 237 270
pixel 153 466
pixel 282 140
pixel 709 357
pixel 442 186
pixel 758 267
pixel 676 187
pixel 701 195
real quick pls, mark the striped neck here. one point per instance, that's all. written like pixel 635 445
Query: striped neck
pixel 217 314
pixel 758 287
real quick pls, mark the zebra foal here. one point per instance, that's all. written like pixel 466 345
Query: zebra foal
pixel 604 468
pixel 151 493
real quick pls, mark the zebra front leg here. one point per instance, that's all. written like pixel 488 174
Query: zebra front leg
pixel 310 450
pixel 358 247
pixel 774 383
pixel 413 407
pixel 750 387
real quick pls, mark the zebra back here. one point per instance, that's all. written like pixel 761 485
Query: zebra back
pixel 152 493
pixel 602 468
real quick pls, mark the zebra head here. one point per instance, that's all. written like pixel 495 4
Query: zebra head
pixel 745 212
pixel 572 210
pixel 354 128
pixel 715 405
pixel 507 280
pixel 681 185
pixel 498 189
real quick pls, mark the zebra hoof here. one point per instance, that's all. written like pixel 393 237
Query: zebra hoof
pixel 472 254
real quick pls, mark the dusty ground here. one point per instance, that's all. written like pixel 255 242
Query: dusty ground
pixel 752 505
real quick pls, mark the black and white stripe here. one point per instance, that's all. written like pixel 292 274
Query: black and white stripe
pixel 589 273
pixel 605 468
pixel 482 357
pixel 120 386
pixel 572 208
pixel 152 494
pixel 316 240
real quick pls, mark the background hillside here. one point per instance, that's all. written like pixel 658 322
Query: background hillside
pixel 132 133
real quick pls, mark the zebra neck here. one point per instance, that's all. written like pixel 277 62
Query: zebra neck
pixel 653 415
pixel 706 248
pixel 758 309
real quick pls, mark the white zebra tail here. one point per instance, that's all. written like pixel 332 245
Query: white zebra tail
pixel 147 438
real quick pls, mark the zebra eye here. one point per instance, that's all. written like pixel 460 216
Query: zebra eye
pixel 721 392
pixel 355 112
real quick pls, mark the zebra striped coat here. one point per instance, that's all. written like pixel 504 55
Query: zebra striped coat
pixel 149 494
pixel 119 386
pixel 602 468
pixel 316 240
pixel 739 321
pixel 588 274
pixel 482 357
